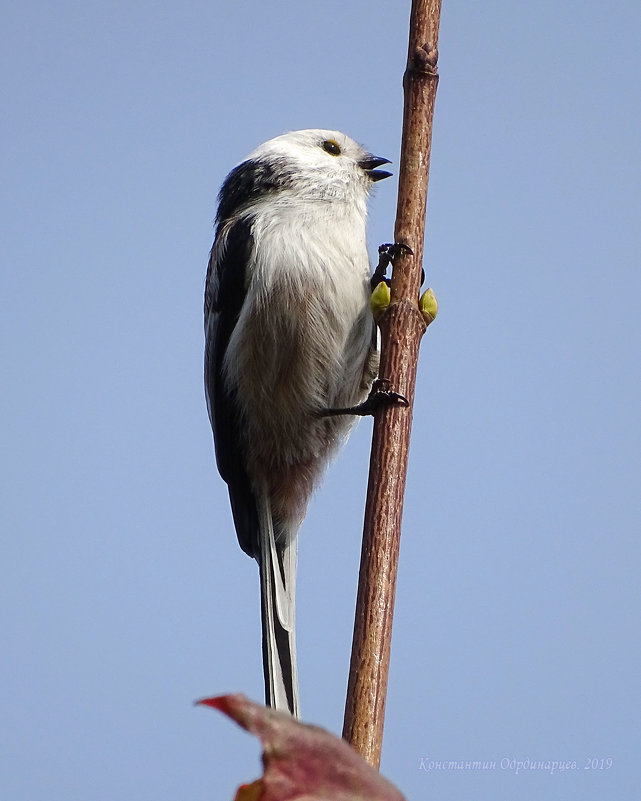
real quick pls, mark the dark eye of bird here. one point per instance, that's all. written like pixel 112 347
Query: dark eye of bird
pixel 332 147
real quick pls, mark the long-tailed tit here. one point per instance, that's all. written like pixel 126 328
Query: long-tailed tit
pixel 290 339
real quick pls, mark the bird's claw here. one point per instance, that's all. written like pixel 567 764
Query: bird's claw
pixel 386 255
pixel 380 395
pixel 394 249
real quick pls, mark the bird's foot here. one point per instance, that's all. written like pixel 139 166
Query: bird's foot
pixel 386 255
pixel 380 395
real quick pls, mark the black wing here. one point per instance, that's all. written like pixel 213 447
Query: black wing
pixel 225 291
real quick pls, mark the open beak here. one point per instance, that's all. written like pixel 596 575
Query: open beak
pixel 371 163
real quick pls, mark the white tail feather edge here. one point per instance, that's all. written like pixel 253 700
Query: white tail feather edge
pixel 277 566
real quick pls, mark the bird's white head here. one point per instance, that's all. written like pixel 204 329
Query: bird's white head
pixel 303 166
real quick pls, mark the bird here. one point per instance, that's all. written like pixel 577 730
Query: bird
pixel 290 351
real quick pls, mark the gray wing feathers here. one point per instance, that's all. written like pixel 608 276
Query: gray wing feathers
pixel 224 297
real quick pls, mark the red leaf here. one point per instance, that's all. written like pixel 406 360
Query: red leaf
pixel 301 762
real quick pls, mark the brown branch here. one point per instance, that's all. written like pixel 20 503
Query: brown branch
pixel 402 327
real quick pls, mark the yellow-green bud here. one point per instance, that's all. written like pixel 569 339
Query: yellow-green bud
pixel 380 299
pixel 428 306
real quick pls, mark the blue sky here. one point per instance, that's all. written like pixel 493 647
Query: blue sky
pixel 124 593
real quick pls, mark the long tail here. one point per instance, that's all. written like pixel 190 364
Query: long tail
pixel 277 592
